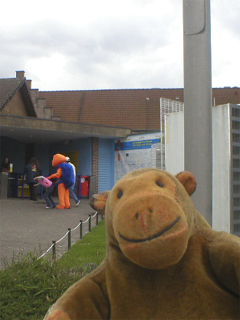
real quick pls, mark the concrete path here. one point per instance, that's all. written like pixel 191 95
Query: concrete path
pixel 27 225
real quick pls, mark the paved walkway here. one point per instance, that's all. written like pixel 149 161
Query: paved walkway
pixel 27 225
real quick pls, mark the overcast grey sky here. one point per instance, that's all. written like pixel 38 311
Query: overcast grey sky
pixel 108 44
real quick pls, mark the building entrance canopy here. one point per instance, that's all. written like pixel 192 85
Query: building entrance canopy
pixel 35 130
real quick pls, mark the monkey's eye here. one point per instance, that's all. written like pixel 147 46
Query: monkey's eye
pixel 120 193
pixel 160 184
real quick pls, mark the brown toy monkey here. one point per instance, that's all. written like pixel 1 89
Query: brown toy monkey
pixel 163 259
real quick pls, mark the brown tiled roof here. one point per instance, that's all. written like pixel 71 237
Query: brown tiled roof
pixel 137 109
pixel 226 95
pixel 65 104
pixel 9 87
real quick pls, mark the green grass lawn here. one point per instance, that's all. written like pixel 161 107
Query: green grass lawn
pixel 29 286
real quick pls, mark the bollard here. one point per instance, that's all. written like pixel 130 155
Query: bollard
pixel 69 238
pixel 97 219
pixel 89 223
pixel 81 225
pixel 54 250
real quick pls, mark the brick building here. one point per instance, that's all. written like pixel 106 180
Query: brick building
pixel 82 123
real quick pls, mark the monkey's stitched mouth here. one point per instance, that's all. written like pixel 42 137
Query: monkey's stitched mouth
pixel 154 236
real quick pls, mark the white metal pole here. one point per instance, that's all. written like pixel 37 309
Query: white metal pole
pixel 198 101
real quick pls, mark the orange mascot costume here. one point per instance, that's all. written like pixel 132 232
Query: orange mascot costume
pixel 66 179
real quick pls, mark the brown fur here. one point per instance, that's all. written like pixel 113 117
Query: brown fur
pixel 163 260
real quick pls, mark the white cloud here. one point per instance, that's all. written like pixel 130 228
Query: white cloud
pixel 110 44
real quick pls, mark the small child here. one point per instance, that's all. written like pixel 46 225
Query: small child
pixel 48 192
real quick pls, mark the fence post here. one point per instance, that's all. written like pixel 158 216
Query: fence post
pixel 81 226
pixel 69 238
pixel 89 223
pixel 54 250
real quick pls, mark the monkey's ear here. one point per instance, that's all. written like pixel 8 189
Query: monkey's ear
pixel 98 201
pixel 188 180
